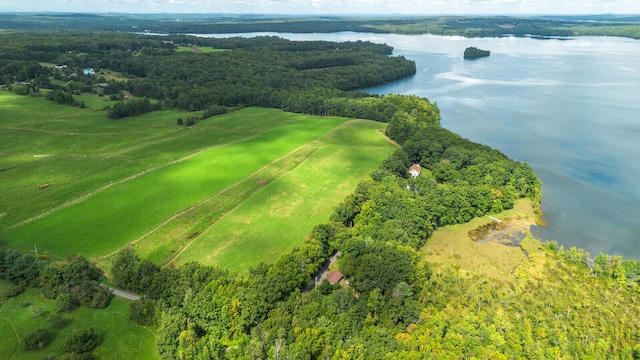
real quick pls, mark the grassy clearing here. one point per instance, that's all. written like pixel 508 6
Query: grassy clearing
pixel 281 213
pixel 26 312
pixel 112 75
pixel 451 246
pixel 199 49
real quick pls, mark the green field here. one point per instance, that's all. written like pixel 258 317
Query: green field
pixel 122 339
pixel 149 182
pixel 279 215
pixel 199 49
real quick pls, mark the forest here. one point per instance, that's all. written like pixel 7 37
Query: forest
pixel 468 26
pixel 307 77
pixel 557 303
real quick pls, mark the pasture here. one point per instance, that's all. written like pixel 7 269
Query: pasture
pixel 122 339
pixel 147 182
pixel 278 216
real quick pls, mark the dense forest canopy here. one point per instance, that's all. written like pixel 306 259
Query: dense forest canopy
pixel 311 77
pixel 555 303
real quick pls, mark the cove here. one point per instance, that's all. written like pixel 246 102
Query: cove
pixel 568 107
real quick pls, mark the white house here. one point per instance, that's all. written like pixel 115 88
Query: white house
pixel 414 170
pixel 89 71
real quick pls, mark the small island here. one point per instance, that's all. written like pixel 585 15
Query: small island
pixel 475 53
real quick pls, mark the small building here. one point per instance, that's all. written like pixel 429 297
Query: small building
pixel 334 277
pixel 414 170
pixel 88 71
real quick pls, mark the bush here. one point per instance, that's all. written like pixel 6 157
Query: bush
pixel 15 290
pixel 66 302
pixel 214 110
pixel 81 341
pixel 143 312
pixel 56 321
pixel 21 89
pixel 101 297
pixel 325 287
pixel 36 340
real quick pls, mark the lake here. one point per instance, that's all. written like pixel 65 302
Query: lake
pixel 568 107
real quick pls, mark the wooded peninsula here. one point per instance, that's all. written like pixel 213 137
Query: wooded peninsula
pixel 103 112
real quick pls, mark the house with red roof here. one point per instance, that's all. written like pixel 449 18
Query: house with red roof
pixel 334 277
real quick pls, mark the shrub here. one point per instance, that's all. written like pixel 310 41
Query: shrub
pixel 81 341
pixel 56 321
pixel 143 312
pixel 66 302
pixel 14 290
pixel 325 287
pixel 36 340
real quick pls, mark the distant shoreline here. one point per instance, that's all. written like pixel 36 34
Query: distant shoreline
pixel 537 27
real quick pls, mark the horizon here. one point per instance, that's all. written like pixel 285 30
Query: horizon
pixel 329 7
pixel 363 15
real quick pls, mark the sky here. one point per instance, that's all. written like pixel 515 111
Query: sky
pixel 317 7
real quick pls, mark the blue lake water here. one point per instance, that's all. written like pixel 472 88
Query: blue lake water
pixel 568 107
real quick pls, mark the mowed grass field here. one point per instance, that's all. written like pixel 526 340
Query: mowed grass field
pixel 147 182
pixel 122 339
pixel 278 216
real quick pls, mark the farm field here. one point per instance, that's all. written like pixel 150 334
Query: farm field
pixel 279 215
pixel 148 182
pixel 22 314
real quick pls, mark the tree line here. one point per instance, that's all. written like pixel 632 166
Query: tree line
pixel 470 26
